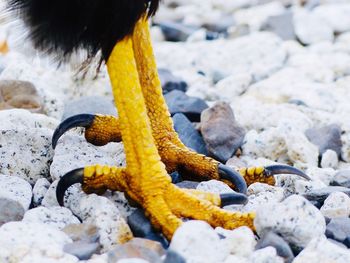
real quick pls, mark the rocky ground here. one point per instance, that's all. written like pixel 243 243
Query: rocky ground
pixel 250 82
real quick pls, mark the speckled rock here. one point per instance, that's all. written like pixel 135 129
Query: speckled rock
pixel 233 86
pixel 318 196
pixel 57 217
pixel 240 241
pixel 320 250
pixel 197 242
pixel 21 234
pixel 39 190
pixel 100 211
pixel 16 189
pixel 295 219
pixel 74 152
pixel 268 254
pixel 221 132
pixel 26 153
pixel 336 205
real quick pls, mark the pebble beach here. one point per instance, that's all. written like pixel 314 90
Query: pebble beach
pixel 247 82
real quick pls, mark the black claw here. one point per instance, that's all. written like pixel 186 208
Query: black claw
pixel 234 177
pixel 73 177
pixel 233 199
pixel 284 169
pixel 81 120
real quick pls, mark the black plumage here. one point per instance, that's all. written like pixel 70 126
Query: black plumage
pixel 64 26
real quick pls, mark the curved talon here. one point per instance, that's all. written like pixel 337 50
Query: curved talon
pixel 233 199
pixel 81 120
pixel 284 169
pixel 234 177
pixel 73 177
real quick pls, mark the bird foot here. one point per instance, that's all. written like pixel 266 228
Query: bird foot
pixel 164 203
pixel 102 129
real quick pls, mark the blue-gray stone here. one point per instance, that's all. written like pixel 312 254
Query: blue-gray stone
pixel 10 210
pixel 176 32
pixel 171 82
pixel 317 196
pixel 338 229
pixel 173 257
pixel 82 250
pixel 341 178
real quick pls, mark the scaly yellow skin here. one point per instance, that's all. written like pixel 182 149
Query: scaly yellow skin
pixel 148 135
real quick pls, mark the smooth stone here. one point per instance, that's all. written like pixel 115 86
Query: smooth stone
pixel 321 250
pixel 336 15
pixel 329 159
pixel 267 254
pixel 171 82
pixel 81 250
pixel 179 102
pixel 230 87
pixel 338 229
pixel 16 189
pixel 326 137
pixel 173 257
pixel 187 184
pixel 342 178
pixel 197 242
pixel 16 94
pixel 16 234
pixel 102 212
pixel 214 186
pixel 220 25
pixel 221 132
pixel 318 196
pixel 281 25
pixel 141 227
pixel 89 105
pixel 176 32
pixel 282 247
pixel 87 233
pixel 40 188
pixel 188 134
pixel 336 205
pixel 240 241
pixel 137 248
pixel 10 210
pixel 347 242
pixel 295 219
pixel 57 217
pixel 26 153
pixel 310 28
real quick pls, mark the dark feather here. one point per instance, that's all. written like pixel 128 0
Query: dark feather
pixel 64 26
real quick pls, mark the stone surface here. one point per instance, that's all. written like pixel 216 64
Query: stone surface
pixel 240 241
pixel 176 31
pixel 295 219
pixel 336 205
pixel 214 186
pixel 342 178
pixel 10 210
pixel 137 248
pixel 81 250
pixel 329 159
pixel 318 196
pixel 221 132
pixel 320 250
pixel 326 138
pixel 39 190
pixel 267 254
pixel 57 217
pixel 338 228
pixel 89 105
pixel 179 102
pixel 197 242
pixel 171 82
pixel 20 95
pixel 16 189
pixel 282 247
pixel 188 134
pixel 100 211
pixel 281 25
pixel 87 233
